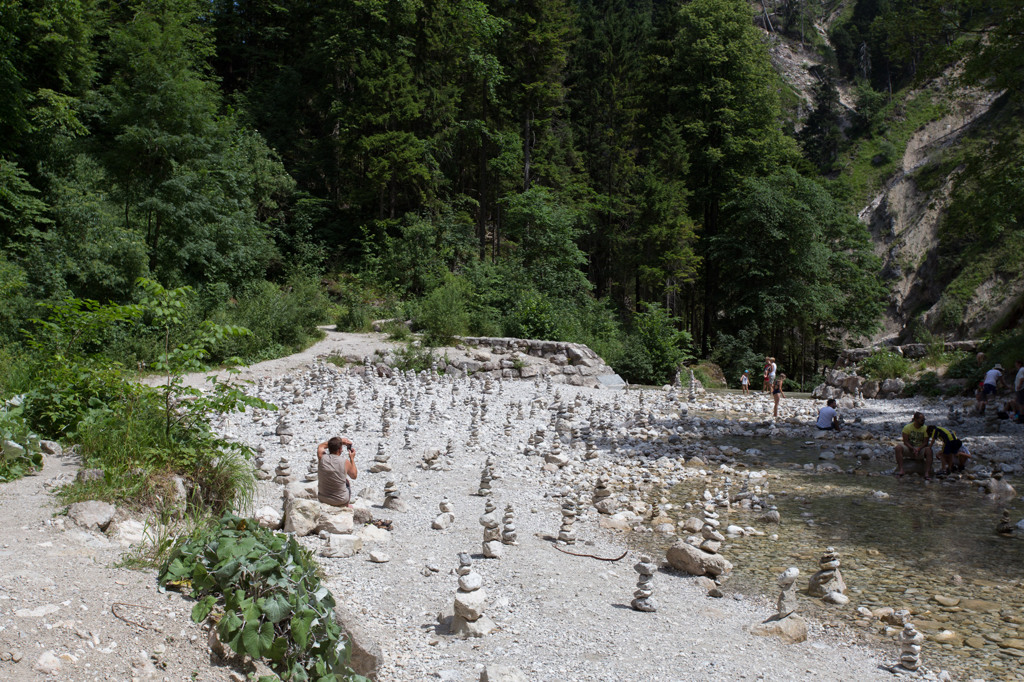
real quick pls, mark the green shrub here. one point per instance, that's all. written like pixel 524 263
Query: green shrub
pixel 354 310
pixel 25 456
pixel 281 319
pixel 140 436
pixel 927 385
pixel 700 375
pixel 414 357
pixel 443 313
pixel 266 597
pixel 734 354
pixel 885 365
pixel 655 348
pixel 397 330
pixel 534 317
pixel 18 373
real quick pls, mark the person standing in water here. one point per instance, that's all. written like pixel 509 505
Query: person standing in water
pixel 777 393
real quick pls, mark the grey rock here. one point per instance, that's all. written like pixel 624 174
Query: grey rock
pixel 93 514
pixel 685 557
pixel 366 655
pixel 502 673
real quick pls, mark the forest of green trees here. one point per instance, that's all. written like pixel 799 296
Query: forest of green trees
pixel 588 170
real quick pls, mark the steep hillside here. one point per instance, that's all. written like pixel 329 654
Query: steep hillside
pixel 921 166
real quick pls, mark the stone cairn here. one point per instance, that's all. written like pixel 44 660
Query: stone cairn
pixel 566 534
pixel 284 431
pixel 313 471
pixel 787 597
pixel 1005 526
pixel 486 476
pixel 446 518
pixel 910 647
pixel 602 496
pixel 449 454
pixel 392 500
pixel 469 619
pixel 283 473
pixel 380 460
pixel 712 539
pixel 431 459
pixel 642 596
pixel 508 530
pixel 828 581
pixel 492 534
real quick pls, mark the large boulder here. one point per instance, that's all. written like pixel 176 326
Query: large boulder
pixel 303 490
pixel 335 520
pixel 685 557
pixel 269 517
pixel 301 516
pixel 892 387
pixel 869 389
pixel 92 514
pixel 502 673
pixel 366 655
pixel 835 377
pixel 792 629
pixel 341 546
pixel 852 384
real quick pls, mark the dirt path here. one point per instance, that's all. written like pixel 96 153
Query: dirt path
pixel 334 343
pixel 64 607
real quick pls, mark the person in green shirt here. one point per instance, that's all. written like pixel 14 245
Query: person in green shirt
pixel 915 446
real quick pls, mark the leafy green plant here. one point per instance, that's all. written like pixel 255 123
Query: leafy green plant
pixel 415 358
pixel 655 348
pixel 702 376
pixel 885 365
pixel 443 314
pixel 397 330
pixel 927 384
pixel 263 592
pixel 19 447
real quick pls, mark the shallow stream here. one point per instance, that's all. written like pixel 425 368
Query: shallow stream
pixel 898 550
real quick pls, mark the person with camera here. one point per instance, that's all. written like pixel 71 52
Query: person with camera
pixel 334 470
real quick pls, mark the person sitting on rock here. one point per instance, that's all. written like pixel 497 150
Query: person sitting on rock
pixel 828 417
pixel 915 446
pixel 334 472
pixel 951 447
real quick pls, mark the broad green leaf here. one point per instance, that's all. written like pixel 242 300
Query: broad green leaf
pixel 278 649
pixel 202 608
pixel 276 608
pixel 300 629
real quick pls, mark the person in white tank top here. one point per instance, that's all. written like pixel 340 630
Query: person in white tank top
pixel 334 471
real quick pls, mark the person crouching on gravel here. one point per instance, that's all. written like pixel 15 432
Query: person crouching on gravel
pixel 334 471
pixel 915 446
pixel 951 447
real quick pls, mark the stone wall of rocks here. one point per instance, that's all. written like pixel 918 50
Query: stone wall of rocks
pixel 912 351
pixel 489 357
pixel 511 358
pixel 839 384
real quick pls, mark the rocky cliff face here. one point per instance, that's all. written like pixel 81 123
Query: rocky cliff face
pixel 904 223
pixel 904 219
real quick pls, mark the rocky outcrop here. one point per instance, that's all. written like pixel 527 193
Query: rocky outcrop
pixel 489 357
pixel 689 559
